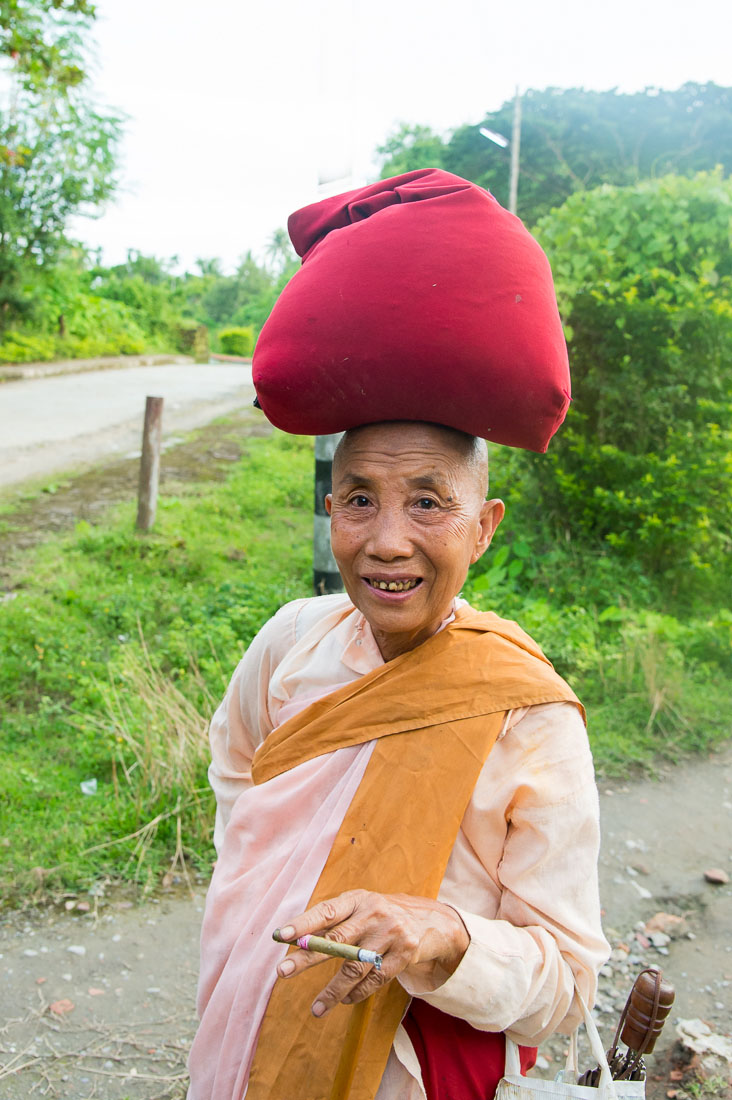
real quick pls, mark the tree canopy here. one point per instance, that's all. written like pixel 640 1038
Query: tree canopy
pixel 57 148
pixel 574 140
pixel 643 462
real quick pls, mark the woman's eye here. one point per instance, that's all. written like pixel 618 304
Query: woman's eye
pixel 360 501
pixel 426 503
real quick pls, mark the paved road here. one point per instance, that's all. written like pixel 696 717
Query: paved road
pixel 49 425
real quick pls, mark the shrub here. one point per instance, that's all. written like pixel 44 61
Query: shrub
pixel 23 347
pixel 644 279
pixel 237 341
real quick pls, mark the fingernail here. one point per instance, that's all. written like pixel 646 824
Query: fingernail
pixel 288 932
pixel 286 968
pixel 318 1008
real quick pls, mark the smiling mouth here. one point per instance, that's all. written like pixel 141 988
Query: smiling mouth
pixel 393 586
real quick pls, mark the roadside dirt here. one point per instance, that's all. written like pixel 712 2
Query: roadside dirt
pixel 98 1001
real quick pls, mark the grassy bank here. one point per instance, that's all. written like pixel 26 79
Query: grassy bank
pixel 116 648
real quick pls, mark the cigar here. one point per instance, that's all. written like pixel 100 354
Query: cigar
pixel 330 947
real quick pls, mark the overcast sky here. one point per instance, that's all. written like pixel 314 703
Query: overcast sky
pixel 236 108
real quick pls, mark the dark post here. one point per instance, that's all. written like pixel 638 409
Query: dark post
pixel 326 577
pixel 147 494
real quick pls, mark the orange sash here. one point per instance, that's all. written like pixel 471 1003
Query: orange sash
pixel 436 712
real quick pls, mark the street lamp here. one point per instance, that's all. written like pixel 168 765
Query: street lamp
pixel 515 144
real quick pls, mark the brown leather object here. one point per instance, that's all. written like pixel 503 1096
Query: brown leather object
pixel 645 1013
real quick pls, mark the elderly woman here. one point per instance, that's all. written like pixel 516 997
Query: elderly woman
pixel 397 771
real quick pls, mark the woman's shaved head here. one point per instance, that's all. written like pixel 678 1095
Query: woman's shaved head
pixel 471 450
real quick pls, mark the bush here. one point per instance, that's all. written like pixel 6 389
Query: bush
pixel 23 347
pixel 98 326
pixel 237 341
pixel 644 280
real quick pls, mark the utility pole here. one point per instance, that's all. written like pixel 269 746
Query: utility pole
pixel 515 147
pixel 515 143
pixel 326 577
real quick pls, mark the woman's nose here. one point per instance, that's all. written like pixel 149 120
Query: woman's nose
pixel 388 536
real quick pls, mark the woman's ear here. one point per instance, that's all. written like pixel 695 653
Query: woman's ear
pixel 491 514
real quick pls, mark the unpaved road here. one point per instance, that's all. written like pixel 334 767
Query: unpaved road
pixel 130 972
pixel 70 421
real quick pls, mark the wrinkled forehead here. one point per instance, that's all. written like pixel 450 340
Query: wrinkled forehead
pixel 403 445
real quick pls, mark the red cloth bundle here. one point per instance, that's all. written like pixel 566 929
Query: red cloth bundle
pixel 419 298
pixel 457 1061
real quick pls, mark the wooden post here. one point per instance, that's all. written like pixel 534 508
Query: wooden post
pixel 326 577
pixel 147 494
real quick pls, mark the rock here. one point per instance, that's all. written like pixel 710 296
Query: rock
pixel 660 939
pixel 669 923
pixel 76 949
pixel 716 876
pixel 715 1051
pixel 59 1008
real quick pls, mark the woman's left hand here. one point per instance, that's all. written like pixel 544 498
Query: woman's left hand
pixel 407 931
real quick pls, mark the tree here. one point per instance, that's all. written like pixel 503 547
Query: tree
pixel 280 252
pixel 409 148
pixel 574 140
pixel 643 463
pixel 57 150
pixel 43 40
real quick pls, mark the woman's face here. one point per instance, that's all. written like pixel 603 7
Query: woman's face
pixel 408 517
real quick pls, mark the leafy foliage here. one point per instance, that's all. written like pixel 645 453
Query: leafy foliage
pixel 644 278
pixel 57 149
pixel 42 40
pixel 409 148
pixel 237 340
pixel 574 140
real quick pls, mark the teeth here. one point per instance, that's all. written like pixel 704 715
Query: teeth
pixel 393 586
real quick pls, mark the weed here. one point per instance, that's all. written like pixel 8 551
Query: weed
pixel 113 654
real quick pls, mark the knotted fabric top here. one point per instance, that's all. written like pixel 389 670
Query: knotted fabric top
pixel 419 298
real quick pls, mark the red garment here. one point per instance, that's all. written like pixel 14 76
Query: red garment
pixel 419 298
pixel 458 1062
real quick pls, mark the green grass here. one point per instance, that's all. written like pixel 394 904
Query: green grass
pixel 655 686
pixel 118 646
pixel 104 615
